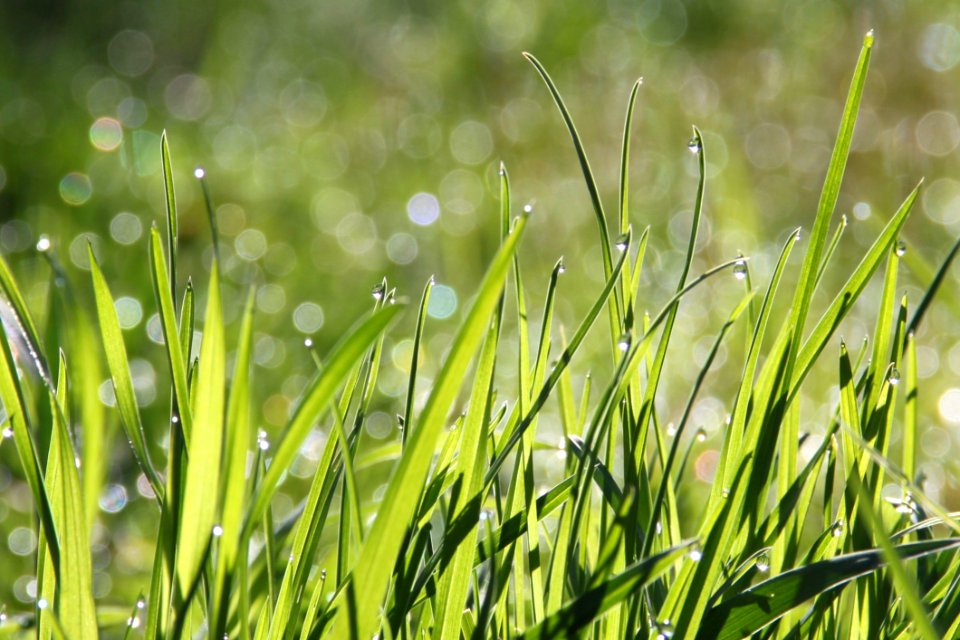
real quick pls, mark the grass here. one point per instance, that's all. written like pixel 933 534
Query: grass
pixel 465 541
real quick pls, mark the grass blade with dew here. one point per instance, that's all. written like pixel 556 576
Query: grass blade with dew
pixel 748 612
pixel 237 441
pixel 118 363
pixel 371 575
pixel 315 400
pixel 580 612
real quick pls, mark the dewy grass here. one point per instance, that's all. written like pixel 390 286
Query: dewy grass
pixel 463 541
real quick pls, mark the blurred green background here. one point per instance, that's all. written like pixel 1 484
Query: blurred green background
pixel 347 141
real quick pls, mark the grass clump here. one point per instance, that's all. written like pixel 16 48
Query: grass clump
pixel 465 541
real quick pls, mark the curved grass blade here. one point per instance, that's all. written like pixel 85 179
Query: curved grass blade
pixel 371 575
pixel 580 612
pixel 170 200
pixel 119 364
pixel 415 360
pixel 748 612
pixel 315 401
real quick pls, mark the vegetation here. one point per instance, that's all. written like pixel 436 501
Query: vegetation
pixel 468 537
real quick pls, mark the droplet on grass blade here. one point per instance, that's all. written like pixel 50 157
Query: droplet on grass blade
pixel 894 377
pixel 262 442
pixel 217 531
pixel 528 208
pixel 42 603
pixel 561 268
pixel 378 291
pixel 740 270
pixel 308 343
pixel 762 563
pixel 901 248
pixel 199 173
pixel 701 435
pixel 624 342
pixel 622 242
pixel 694 145
pixel 43 244
pixel 837 529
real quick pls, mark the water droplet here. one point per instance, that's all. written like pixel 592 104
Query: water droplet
pixel 378 291
pixel 175 419
pixel 640 80
pixel 796 235
pixel 141 602
pixel 262 442
pixel 528 208
pixel 133 622
pixel 7 433
pixel 663 630
pixel 76 461
pixel 894 377
pixel 725 493
pixel 837 529
pixel 323 574
pixel 400 421
pixel 198 173
pixel 868 39
pixel 42 603
pixel 694 145
pixel 695 553
pixel 622 242
pixel 762 563
pixel 701 435
pixel 843 221
pixel 901 248
pixel 43 244
pixel 671 430
pixel 217 531
pixel 740 270
pixel 624 342
pixel 561 268
pixel 308 343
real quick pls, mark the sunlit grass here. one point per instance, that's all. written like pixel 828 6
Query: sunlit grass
pixel 467 538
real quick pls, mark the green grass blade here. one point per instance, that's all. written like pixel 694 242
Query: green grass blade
pixel 748 612
pixel 415 360
pixel 580 612
pixel 201 492
pixel 315 401
pixel 170 200
pixel 119 364
pixel 375 565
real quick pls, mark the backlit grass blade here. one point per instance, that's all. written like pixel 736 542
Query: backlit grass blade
pixel 119 364
pixel 170 200
pixel 318 395
pixel 851 290
pixel 748 612
pixel 588 606
pixel 18 316
pixel 415 360
pixel 202 486
pixel 237 441
pixel 171 334
pixel 74 604
pixel 375 565
pixel 932 289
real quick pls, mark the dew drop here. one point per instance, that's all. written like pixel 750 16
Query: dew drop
pixel 262 442
pixel 175 419
pixel 622 242
pixel 323 574
pixel 901 248
pixel 701 435
pixel 663 630
pixel 528 208
pixel 624 342
pixel 76 461
pixel 837 529
pixel 141 602
pixel 843 221
pixel 308 343
pixel 694 145
pixel 763 563
pixel 217 531
pixel 561 268
pixel 42 603
pixel 199 173
pixel 378 291
pixel 796 235
pixel 894 377
pixel 43 244
pixel 695 553
pixel 7 433
pixel 671 430
pixel 133 622
pixel 725 493
pixel 740 270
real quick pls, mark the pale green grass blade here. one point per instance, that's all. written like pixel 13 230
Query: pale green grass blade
pixel 170 200
pixel 831 249
pixel 171 335
pixel 371 575
pixel 625 159
pixel 315 401
pixel 119 364
pixel 75 605
pixel 201 494
pixel 752 610
pixel 910 417
pixel 580 612
pixel 468 474
pixel 415 360
pixel 237 441
pixel 931 291
pixel 851 290
pixel 23 323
